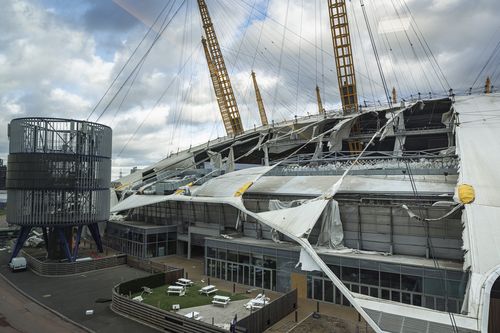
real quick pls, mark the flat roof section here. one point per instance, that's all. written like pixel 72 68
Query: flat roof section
pixel 347 253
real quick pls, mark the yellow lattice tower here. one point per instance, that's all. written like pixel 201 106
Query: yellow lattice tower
pixel 220 77
pixel 343 55
pixel 260 103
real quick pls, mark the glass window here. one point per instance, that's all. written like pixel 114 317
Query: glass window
pixel 429 302
pixel 211 252
pixel 318 289
pixel 386 294
pixel 434 286
pixel 257 260
pixel 390 280
pixel 411 283
pixel 452 306
pixel 455 289
pixel 406 298
pixel 172 236
pixel 328 285
pixel 364 290
pixel 243 258
pixel 440 304
pixel 338 296
pixel 416 300
pixel 309 286
pixel 152 238
pixel 232 256
pixel 267 279
pixel 172 247
pixel 221 254
pixel 269 262
pixel 354 288
pixel 335 269
pixel 369 277
pixel 350 274
pixel 395 296
pixel 162 237
pixel 373 292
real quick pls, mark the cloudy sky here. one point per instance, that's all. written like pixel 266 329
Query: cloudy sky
pixel 138 66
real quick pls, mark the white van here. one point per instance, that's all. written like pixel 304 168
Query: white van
pixel 18 264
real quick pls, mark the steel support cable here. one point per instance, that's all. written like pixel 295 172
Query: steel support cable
pixel 159 99
pixel 126 94
pixel 307 54
pixel 419 61
pixel 265 14
pixel 299 59
pixel 234 65
pixel 410 174
pixel 426 226
pixel 159 34
pixel 321 47
pixel 388 49
pixel 364 58
pixel 316 40
pixel 247 24
pixel 437 70
pixel 394 60
pixel 179 94
pixel 492 55
pixel 281 59
pixel 425 42
pixel 223 35
pixel 128 61
pixel 260 38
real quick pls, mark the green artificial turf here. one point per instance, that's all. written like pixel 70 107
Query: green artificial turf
pixel 159 298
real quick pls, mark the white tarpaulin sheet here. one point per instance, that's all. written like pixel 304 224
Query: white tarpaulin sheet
pixel 331 234
pixel 297 220
pixel 478 145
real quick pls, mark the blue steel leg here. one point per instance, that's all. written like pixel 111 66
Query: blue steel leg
pixel 94 231
pixel 77 242
pixel 45 238
pixel 64 243
pixel 23 235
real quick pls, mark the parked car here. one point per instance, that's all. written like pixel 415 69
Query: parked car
pixel 18 264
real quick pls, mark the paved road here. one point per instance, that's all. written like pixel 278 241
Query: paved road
pixel 19 314
pixel 71 296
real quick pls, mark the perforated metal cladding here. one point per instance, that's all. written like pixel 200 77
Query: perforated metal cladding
pixel 59 172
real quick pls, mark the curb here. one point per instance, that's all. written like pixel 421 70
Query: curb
pixel 34 300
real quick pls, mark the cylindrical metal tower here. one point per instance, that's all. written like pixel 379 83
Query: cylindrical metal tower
pixel 58 178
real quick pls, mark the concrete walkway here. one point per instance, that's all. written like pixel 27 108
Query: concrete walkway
pixel 222 316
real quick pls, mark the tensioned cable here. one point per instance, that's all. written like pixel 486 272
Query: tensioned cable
pixel 410 174
pixel 425 42
pixel 492 55
pixel 281 59
pixel 421 63
pixel 159 99
pixel 159 34
pixel 128 60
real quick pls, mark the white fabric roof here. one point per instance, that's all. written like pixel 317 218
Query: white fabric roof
pixel 478 143
pixel 316 185
pixel 228 184
pixel 135 201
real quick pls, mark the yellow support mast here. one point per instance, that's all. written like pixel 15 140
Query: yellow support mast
pixel 260 103
pixel 219 75
pixel 346 77
pixel 343 55
pixel 321 110
pixel 487 86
